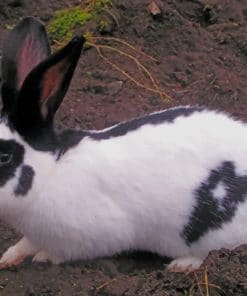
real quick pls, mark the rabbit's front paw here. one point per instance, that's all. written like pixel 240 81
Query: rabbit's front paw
pixel 185 264
pixel 17 253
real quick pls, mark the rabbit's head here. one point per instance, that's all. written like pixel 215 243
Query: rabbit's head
pixel 33 85
pixel 34 82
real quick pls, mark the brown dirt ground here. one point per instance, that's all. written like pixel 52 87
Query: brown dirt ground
pixel 201 48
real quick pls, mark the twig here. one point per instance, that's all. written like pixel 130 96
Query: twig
pixel 127 44
pixel 112 15
pixel 206 281
pixel 198 283
pixel 106 284
pixel 156 90
pixel 141 66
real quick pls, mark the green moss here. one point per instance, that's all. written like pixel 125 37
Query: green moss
pixel 64 22
pixel 62 26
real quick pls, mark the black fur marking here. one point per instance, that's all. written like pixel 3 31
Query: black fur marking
pixel 7 171
pixel 211 213
pixel 25 181
pixel 168 115
pixel 70 138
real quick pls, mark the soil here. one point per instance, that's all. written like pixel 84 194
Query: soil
pixel 201 52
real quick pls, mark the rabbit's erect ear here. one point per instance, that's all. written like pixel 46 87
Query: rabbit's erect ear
pixel 44 88
pixel 23 49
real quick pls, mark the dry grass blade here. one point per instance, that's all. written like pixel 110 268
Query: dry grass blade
pixel 126 44
pixel 112 15
pixel 206 284
pixel 156 89
pixel 141 66
pixel 198 284
pixel 104 285
pixel 212 286
pixel 206 281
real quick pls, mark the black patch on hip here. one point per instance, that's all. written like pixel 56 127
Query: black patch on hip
pixel 210 212
pixel 7 171
pixel 25 180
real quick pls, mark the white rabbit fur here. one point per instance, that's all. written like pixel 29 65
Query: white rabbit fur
pixel 130 192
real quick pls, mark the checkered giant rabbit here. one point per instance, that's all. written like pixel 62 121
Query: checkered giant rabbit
pixel 172 182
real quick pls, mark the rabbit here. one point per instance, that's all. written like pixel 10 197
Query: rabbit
pixel 173 182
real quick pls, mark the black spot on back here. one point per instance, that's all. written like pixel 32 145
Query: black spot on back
pixel 68 139
pixel 211 213
pixel 71 137
pixel 25 180
pixel 7 171
pixel 168 115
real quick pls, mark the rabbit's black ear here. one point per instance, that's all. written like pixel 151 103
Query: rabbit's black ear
pixel 44 89
pixel 23 49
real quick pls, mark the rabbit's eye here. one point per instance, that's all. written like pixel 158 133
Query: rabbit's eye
pixel 5 158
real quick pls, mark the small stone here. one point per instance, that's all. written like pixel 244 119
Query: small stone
pixel 154 9
pixel 181 77
pixel 114 88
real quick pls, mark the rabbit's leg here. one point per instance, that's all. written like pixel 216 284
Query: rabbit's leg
pixel 185 264
pixel 17 253
pixel 43 256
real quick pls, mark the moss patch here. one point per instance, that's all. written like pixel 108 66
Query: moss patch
pixel 64 22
